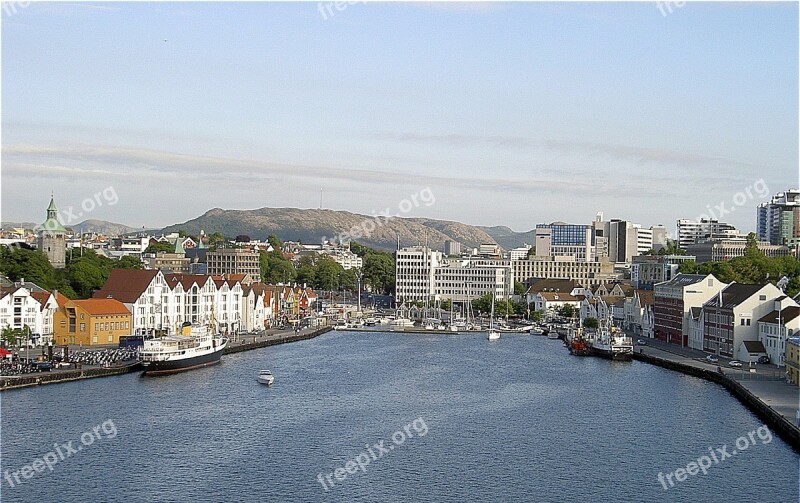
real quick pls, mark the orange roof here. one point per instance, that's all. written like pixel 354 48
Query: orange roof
pixel 41 297
pixel 100 306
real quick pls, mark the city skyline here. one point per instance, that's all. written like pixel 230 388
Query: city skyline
pixel 512 114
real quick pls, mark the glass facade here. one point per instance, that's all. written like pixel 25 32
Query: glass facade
pixel 566 234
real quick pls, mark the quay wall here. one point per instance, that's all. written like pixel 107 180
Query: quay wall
pixel 9 383
pixel 247 346
pixel 777 423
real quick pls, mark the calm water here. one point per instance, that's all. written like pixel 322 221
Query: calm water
pixel 518 420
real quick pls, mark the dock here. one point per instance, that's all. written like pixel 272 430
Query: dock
pixel 243 343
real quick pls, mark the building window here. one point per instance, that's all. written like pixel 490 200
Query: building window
pixel 83 326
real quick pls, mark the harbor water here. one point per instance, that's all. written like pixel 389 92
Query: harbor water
pixel 364 417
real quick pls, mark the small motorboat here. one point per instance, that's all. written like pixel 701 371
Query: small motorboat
pixel 493 334
pixel 266 377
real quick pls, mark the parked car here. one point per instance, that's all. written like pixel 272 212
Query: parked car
pixel 735 363
pixel 712 359
pixel 641 342
pixel 763 359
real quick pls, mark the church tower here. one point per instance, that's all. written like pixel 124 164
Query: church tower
pixel 53 237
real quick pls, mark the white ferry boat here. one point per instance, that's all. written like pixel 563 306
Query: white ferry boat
pixel 196 347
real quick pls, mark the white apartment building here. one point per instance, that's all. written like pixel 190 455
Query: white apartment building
pixel 777 326
pixel 692 231
pixel 644 239
pixel 22 307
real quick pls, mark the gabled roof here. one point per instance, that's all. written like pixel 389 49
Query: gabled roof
pixel 126 285
pixel 41 297
pixel 786 315
pixel 684 280
pixel 734 294
pixel 646 297
pixel 696 312
pixel 100 306
pixel 186 280
pixel 754 347
pixel 558 297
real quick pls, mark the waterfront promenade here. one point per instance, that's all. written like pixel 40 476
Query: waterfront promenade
pixel 240 343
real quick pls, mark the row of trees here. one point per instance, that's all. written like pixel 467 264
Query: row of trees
pixel 754 267
pixel 322 272
pixel 84 273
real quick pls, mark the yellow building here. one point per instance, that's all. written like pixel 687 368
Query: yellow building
pixel 91 322
pixel 793 360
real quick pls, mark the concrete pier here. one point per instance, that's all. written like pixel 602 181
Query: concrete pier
pixel 242 343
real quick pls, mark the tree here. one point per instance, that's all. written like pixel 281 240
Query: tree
pixel 566 310
pixel 519 288
pixel 32 265
pixel 378 273
pixel 328 272
pixel 591 323
pixel 537 316
pixel 275 242
pixel 161 246
pixel 128 262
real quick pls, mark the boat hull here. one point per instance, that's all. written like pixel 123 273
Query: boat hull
pixel 612 355
pixel 182 365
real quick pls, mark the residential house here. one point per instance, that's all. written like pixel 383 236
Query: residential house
pixel 776 327
pixel 731 316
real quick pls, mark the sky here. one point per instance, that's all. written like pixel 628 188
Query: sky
pixel 514 114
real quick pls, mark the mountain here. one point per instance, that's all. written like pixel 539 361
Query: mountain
pixel 103 227
pixel 17 225
pixel 98 226
pixel 312 225
pixel 508 239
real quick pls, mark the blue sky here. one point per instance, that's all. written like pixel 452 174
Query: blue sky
pixel 512 113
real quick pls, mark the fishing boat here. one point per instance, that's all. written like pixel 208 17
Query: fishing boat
pixel 612 344
pixel 265 377
pixel 577 343
pixel 194 347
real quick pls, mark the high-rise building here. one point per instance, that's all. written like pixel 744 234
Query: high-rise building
pixel 692 231
pixel 778 221
pixel 452 248
pixel 644 239
pixel 52 239
pixel 659 236
pixel 564 240
pixel 623 242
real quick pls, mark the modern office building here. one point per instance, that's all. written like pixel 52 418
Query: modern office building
pixel 717 249
pixel 233 261
pixel 692 231
pixel 587 273
pixel 778 221
pixel 424 274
